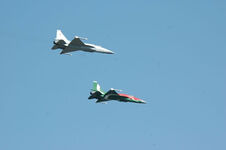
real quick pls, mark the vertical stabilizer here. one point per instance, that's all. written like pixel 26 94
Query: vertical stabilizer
pixel 96 87
pixel 60 36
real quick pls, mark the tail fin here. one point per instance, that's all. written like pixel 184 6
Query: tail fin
pixel 96 87
pixel 60 36
pixel 59 41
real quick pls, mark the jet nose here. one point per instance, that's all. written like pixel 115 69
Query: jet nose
pixel 108 51
pixel 142 101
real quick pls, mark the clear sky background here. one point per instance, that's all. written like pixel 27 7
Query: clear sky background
pixel 169 53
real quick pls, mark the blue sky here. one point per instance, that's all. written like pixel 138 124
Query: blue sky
pixel 169 53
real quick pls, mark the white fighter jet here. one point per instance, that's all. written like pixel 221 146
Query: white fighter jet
pixel 61 42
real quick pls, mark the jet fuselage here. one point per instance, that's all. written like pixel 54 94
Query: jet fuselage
pixel 86 47
pixel 119 97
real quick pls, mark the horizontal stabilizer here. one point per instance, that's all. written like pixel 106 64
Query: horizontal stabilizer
pixel 55 47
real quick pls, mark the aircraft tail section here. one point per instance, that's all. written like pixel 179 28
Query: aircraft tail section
pixel 96 87
pixel 60 41
pixel 60 36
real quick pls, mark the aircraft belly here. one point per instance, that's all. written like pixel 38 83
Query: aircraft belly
pixel 115 97
pixel 69 49
pixel 87 49
pixel 101 100
pixel 83 48
pixel 72 48
pixel 121 99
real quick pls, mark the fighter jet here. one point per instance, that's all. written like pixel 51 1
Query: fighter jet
pixel 102 96
pixel 61 42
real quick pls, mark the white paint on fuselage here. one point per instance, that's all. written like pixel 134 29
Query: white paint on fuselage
pixel 95 48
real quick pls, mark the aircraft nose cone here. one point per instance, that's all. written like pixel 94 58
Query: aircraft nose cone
pixel 103 50
pixel 143 101
pixel 109 51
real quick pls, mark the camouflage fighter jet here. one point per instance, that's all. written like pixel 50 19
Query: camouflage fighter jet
pixel 102 96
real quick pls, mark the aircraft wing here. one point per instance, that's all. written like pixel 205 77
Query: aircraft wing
pixel 110 92
pixel 76 41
